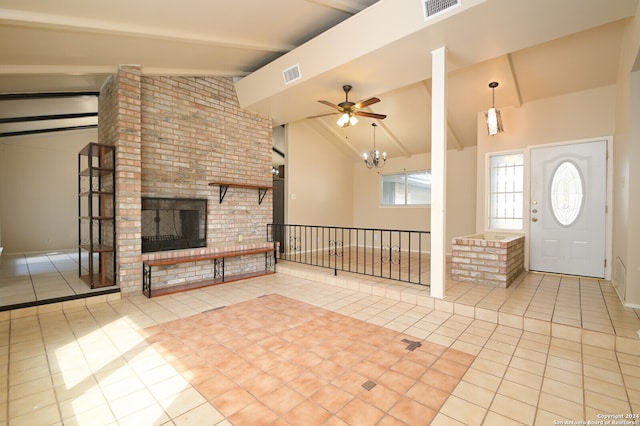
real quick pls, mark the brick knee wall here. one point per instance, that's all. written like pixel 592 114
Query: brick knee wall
pixel 489 262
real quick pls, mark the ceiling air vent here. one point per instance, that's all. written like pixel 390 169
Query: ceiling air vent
pixel 292 74
pixel 433 7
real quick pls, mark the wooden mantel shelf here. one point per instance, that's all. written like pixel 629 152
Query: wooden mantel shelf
pixel 262 189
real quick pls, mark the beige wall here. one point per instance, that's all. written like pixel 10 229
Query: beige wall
pixel 319 179
pixel 38 191
pixel 576 116
pixel 333 188
pixel 585 115
pixel 461 175
pixel 626 173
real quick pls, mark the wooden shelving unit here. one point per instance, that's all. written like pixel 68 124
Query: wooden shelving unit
pixel 96 215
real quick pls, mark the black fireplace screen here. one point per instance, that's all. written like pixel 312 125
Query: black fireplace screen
pixel 173 223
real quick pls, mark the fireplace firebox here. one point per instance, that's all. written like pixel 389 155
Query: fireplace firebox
pixel 173 223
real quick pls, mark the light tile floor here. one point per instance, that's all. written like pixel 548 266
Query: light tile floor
pixel 34 277
pixel 93 361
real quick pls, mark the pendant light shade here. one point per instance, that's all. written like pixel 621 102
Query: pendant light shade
pixel 494 120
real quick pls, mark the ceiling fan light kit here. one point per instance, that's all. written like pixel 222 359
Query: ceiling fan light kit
pixel 347 120
pixel 350 111
pixel 494 120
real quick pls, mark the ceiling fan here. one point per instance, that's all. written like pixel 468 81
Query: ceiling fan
pixel 350 110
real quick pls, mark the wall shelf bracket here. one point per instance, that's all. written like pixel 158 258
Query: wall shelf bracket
pixel 261 193
pixel 223 191
pixel 224 186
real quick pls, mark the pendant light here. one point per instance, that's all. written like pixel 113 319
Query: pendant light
pixel 372 159
pixel 494 120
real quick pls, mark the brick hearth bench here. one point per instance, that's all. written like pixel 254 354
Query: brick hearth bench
pixel 219 275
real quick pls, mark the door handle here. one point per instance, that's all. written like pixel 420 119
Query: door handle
pixel 534 219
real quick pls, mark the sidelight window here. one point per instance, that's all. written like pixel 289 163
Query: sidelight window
pixel 506 191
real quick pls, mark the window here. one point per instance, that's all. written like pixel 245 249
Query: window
pixel 409 188
pixel 566 193
pixel 506 191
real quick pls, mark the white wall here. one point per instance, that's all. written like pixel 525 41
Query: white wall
pixel 319 179
pixel 38 190
pixel 461 175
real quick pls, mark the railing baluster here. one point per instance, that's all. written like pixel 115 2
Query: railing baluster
pixel 299 242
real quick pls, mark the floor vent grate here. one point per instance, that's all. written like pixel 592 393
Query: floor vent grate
pixel 411 345
pixel 368 385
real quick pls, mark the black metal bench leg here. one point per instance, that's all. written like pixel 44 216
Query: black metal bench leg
pixel 146 280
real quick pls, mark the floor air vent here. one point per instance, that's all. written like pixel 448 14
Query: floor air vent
pixel 292 74
pixel 433 7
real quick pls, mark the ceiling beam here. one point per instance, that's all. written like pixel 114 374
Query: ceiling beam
pixel 340 5
pixel 44 95
pixel 336 138
pixel 48 130
pixel 453 137
pixel 47 117
pixel 394 140
pixel 514 81
pixel 96 26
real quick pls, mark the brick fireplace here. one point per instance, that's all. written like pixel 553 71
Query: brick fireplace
pixel 174 135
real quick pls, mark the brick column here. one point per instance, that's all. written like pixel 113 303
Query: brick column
pixel 120 125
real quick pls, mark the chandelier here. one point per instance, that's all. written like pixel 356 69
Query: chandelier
pixel 372 158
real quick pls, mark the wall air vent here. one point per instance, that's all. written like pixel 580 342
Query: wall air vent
pixel 433 7
pixel 292 74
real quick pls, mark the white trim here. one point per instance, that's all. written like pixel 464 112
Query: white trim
pixel 438 172
pixel 525 198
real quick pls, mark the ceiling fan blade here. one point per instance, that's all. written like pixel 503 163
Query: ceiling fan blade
pixel 371 115
pixel 366 103
pixel 329 104
pixel 324 115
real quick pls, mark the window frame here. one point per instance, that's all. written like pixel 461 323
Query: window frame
pixel 404 174
pixel 487 190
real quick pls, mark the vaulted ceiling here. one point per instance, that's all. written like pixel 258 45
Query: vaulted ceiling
pixel 382 48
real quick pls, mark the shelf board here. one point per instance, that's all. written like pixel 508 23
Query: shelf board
pixel 96 248
pixel 96 217
pixel 96 171
pixel 240 185
pixel 94 149
pixel 97 281
pixel 262 189
pixel 87 193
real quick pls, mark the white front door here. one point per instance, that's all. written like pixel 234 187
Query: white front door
pixel 568 209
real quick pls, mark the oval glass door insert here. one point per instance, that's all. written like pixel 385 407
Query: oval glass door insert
pixel 567 193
